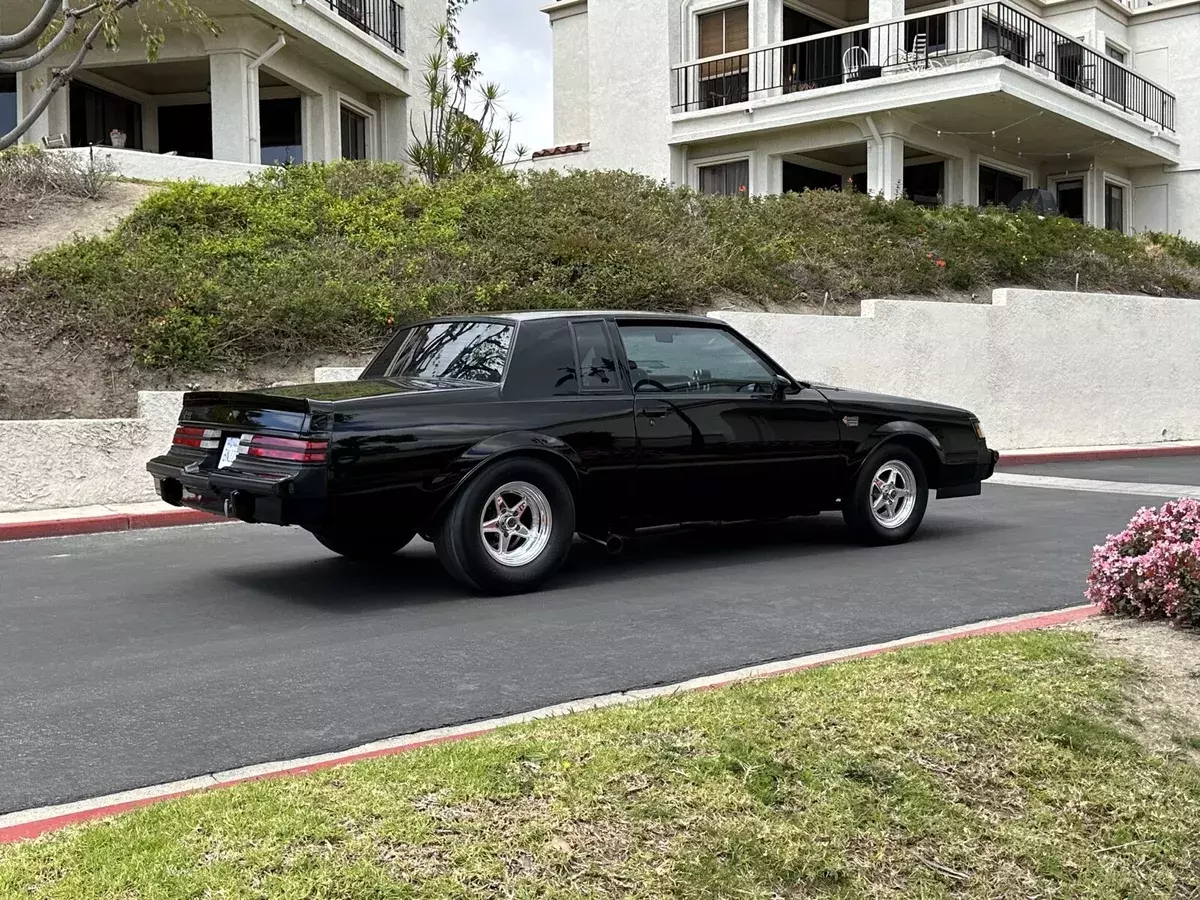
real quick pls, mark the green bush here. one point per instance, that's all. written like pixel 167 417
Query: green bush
pixel 315 259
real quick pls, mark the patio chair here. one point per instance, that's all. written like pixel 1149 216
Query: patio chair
pixel 853 60
pixel 918 56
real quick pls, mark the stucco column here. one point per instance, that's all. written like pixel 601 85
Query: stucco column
pixel 885 167
pixel 393 127
pixel 962 180
pixel 231 116
pixel 679 166
pixel 882 10
pixel 57 117
pixel 1093 186
pixel 313 117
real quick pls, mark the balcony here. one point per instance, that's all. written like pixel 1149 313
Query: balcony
pixel 957 38
pixel 382 18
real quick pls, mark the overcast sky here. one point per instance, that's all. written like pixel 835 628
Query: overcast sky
pixel 513 41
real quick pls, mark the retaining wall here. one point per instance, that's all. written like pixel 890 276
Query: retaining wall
pixel 1040 368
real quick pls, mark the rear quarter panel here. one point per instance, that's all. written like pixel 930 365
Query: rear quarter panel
pixel 401 458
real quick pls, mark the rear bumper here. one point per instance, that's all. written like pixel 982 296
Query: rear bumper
pixel 966 480
pixel 295 497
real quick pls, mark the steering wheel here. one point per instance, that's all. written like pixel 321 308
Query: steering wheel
pixel 650 381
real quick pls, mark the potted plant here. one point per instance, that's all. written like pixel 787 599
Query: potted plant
pixel 117 137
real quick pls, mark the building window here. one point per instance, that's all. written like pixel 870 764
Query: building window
pixel 1069 195
pixel 997 187
pixel 354 134
pixel 279 127
pixel 96 114
pixel 1114 52
pixel 730 179
pixel 934 29
pixel 1114 207
pixel 8 103
pixel 726 80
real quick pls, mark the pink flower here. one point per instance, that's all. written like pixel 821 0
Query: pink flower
pixel 1152 568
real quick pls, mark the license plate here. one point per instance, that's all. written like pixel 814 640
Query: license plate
pixel 229 451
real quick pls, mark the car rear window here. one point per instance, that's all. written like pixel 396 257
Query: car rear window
pixel 462 351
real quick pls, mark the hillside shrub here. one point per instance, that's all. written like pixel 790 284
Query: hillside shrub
pixel 1151 570
pixel 327 258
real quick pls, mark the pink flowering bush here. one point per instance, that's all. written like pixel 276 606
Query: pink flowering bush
pixel 1151 570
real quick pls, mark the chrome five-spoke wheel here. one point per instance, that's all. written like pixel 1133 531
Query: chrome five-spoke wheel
pixel 516 523
pixel 893 493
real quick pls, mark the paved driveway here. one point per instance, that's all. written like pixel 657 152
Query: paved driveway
pixel 133 659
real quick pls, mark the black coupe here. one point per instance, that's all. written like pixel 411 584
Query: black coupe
pixel 499 438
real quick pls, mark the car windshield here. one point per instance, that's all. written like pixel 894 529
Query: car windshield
pixel 462 351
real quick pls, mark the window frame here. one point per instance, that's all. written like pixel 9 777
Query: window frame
pixel 370 137
pixel 771 367
pixel 1126 203
pixel 1055 181
pixel 394 343
pixel 621 384
pixel 697 164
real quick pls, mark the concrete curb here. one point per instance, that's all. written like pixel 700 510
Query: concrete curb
pixel 61 527
pixel 1095 454
pixel 30 823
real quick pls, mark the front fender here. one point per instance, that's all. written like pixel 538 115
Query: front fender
pixel 903 430
pixel 529 443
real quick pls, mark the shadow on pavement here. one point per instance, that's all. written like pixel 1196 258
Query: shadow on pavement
pixel 415 577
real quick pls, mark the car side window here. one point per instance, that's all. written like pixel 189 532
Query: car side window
pixel 597 364
pixel 691 359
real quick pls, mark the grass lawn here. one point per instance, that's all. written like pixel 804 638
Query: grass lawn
pixel 992 767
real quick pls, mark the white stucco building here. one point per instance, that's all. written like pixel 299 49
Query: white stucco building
pixel 968 102
pixel 299 80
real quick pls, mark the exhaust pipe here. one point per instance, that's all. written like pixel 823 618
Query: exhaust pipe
pixel 614 543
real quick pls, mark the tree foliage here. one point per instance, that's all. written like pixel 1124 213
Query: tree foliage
pixel 76 29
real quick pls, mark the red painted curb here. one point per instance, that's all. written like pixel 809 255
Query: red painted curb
pixel 28 830
pixel 20 531
pixel 1097 454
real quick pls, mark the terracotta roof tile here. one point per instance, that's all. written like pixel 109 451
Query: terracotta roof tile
pixel 560 151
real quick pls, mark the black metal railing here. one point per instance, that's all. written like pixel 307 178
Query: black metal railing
pixel 959 36
pixel 382 18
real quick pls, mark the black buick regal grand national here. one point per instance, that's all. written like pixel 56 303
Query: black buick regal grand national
pixel 500 438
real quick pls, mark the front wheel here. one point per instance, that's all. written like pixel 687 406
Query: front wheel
pixel 887 500
pixel 510 528
pixel 364 545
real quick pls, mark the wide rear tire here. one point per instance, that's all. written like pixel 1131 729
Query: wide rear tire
pixel 364 546
pixel 887 501
pixel 510 528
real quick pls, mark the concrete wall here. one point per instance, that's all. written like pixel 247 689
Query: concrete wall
pixel 85 462
pixel 156 167
pixel 1040 368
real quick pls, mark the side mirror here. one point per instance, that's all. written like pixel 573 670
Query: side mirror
pixel 780 387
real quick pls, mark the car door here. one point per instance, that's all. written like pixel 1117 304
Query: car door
pixel 715 440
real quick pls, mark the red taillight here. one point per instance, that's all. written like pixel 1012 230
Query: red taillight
pixel 298 450
pixel 199 438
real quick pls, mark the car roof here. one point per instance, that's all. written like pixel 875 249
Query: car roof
pixel 527 315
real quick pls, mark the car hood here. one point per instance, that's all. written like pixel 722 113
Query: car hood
pixel 332 391
pixel 851 400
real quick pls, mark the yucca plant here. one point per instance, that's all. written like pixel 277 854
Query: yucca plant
pixel 464 127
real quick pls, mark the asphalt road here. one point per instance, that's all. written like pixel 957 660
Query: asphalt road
pixel 132 659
